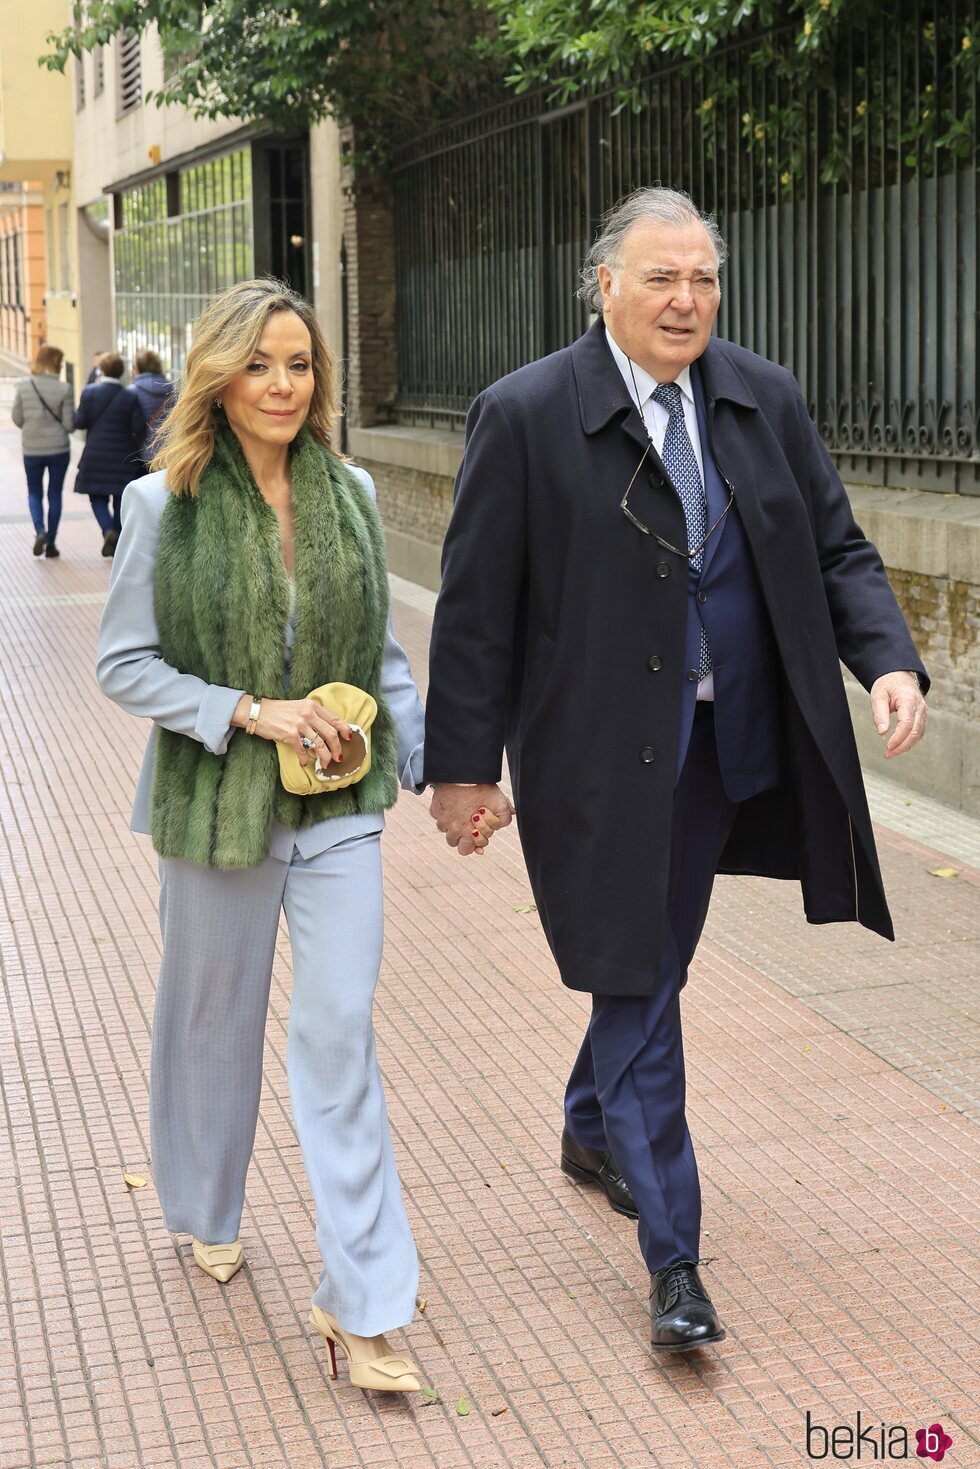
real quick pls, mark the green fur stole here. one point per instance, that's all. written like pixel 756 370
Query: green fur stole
pixel 222 605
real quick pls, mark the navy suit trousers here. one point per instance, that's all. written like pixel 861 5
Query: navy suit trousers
pixel 626 1092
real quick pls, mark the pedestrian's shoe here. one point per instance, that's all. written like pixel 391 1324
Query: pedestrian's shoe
pixel 109 542
pixel 51 551
pixel 40 541
pixel 587 1165
pixel 681 1311
pixel 383 1374
pixel 221 1262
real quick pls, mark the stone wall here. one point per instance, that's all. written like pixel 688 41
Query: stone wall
pixel 944 616
pixel 930 545
pixel 411 501
pixel 369 246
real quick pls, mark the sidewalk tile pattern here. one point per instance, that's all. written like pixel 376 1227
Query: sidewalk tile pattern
pixel 831 1091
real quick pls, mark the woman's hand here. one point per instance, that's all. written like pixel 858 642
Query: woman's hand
pixel 469 815
pixel 292 721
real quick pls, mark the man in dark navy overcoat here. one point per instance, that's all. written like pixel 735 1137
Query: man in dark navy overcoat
pixel 650 578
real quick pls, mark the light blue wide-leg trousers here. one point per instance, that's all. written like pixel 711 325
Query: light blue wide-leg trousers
pixel 219 934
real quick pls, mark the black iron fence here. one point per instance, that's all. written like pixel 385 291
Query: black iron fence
pixel 866 286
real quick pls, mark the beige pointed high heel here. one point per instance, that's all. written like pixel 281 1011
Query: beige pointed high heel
pixel 383 1374
pixel 221 1262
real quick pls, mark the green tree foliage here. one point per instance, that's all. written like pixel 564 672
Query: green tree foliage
pixel 386 68
pixel 912 95
pixel 394 69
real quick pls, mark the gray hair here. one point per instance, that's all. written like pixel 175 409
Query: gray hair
pixel 662 206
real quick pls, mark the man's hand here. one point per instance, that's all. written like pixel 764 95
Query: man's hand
pixel 461 811
pixel 899 693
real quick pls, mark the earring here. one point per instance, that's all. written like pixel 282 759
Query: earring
pixel 216 402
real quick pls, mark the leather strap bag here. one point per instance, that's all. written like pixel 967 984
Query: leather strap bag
pixel 47 406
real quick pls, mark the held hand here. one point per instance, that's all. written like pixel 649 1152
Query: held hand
pixel 469 815
pixel 292 720
pixel 899 693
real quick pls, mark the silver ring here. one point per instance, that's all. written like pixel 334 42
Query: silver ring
pixel 307 743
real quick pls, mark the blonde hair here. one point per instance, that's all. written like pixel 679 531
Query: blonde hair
pixel 225 338
pixel 47 359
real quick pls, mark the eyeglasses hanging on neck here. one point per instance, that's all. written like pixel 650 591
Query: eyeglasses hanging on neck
pixel 691 552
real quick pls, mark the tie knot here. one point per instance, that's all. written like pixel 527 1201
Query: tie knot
pixel 668 395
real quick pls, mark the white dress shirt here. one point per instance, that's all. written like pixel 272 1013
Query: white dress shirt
pixel 655 417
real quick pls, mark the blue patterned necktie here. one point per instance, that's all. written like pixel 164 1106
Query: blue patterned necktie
pixel 681 464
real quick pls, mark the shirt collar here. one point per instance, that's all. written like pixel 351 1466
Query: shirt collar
pixel 645 384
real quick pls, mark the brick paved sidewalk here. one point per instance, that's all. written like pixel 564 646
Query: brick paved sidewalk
pixel 829 1080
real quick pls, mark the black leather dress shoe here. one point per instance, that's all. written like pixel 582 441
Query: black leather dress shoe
pixel 587 1165
pixel 681 1311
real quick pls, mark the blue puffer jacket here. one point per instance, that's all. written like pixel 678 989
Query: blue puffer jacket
pixel 116 424
pixel 156 393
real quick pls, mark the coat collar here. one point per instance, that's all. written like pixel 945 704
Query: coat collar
pixel 603 395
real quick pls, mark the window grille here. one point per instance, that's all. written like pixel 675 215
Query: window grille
pixel 867 288
pixel 98 70
pixel 79 83
pixel 130 72
pixel 176 246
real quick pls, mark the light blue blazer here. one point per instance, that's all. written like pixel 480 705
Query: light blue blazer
pixel 132 672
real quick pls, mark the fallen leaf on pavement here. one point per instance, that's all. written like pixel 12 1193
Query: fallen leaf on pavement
pixel 134 1180
pixel 463 1407
pixel 944 872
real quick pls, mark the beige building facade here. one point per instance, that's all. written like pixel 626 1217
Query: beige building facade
pixel 173 208
pixel 38 258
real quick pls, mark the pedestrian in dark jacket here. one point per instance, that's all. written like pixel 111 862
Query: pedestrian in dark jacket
pixel 116 426
pixel 156 394
pixel 42 410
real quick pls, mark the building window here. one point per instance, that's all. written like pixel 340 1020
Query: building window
pixel 51 271
pixel 175 247
pixel 79 83
pixel 18 294
pixel 98 70
pixel 130 72
pixel 64 249
pixel 284 171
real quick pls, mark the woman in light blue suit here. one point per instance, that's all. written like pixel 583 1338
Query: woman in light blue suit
pixel 249 571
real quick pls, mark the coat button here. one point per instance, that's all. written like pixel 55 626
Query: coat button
pixel 655 664
pixel 663 569
pixel 692 675
pixel 647 755
pixel 702 596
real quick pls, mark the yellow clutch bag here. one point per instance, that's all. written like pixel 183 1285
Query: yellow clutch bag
pixel 359 710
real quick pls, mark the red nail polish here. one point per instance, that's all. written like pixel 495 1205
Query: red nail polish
pixel 483 810
pixel 348 735
pixel 476 833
